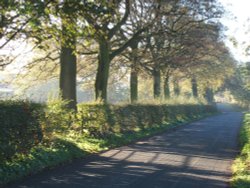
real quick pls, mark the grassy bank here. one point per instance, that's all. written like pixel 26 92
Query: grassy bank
pixel 64 136
pixel 241 166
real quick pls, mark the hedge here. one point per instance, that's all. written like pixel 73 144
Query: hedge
pixel 19 127
pixel 34 137
pixel 100 120
pixel 21 122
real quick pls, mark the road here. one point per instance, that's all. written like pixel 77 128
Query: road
pixel 197 155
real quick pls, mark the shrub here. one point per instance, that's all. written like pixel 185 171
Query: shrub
pixel 57 118
pixel 19 127
pixel 67 135
pixel 101 120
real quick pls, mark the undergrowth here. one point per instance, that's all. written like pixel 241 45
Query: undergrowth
pixel 241 166
pixel 95 127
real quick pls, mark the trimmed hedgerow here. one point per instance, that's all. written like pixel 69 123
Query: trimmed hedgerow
pixel 19 127
pixel 56 134
pixel 100 120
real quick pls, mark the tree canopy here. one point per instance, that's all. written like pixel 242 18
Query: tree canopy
pixel 97 42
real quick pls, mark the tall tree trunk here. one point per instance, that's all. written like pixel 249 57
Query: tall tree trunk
pixel 68 76
pixel 102 75
pixel 68 70
pixel 176 88
pixel 194 87
pixel 133 84
pixel 157 83
pixel 134 73
pixel 166 88
pixel 209 95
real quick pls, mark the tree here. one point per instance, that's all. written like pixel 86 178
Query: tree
pixel 104 30
pixel 111 20
pixel 170 40
pixel 134 73
pixel 68 56
pixel 12 23
pixel 194 87
pixel 199 59
pixel 238 85
pixel 56 21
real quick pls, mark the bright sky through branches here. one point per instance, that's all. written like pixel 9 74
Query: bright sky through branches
pixel 237 21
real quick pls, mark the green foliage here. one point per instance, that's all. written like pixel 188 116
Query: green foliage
pixel 238 85
pixel 241 167
pixel 102 120
pixel 38 158
pixel 57 117
pixel 94 120
pixel 94 128
pixel 19 127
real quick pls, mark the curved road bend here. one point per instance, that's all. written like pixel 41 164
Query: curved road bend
pixel 198 155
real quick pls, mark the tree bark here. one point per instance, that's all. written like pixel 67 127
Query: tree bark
pixel 68 76
pixel 133 84
pixel 176 88
pixel 194 87
pixel 134 73
pixel 102 75
pixel 209 95
pixel 157 83
pixel 67 80
pixel 166 88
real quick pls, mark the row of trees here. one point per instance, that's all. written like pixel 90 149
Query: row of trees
pixel 238 84
pixel 160 38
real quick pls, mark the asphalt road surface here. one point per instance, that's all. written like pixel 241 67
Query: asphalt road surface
pixel 198 155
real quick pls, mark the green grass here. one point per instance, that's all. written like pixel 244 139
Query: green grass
pixel 177 100
pixel 66 147
pixel 241 166
pixel 38 158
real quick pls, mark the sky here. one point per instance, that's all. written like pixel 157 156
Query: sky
pixel 237 21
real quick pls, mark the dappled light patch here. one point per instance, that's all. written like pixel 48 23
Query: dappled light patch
pixel 38 158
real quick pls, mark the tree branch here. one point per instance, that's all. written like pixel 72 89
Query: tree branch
pixel 123 20
pixel 127 43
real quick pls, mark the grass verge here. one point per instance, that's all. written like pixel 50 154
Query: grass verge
pixel 241 166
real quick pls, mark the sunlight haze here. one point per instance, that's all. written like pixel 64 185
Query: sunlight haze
pixel 236 20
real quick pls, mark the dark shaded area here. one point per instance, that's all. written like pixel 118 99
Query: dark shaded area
pixel 20 129
pixel 242 183
pixel 225 107
pixel 197 155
